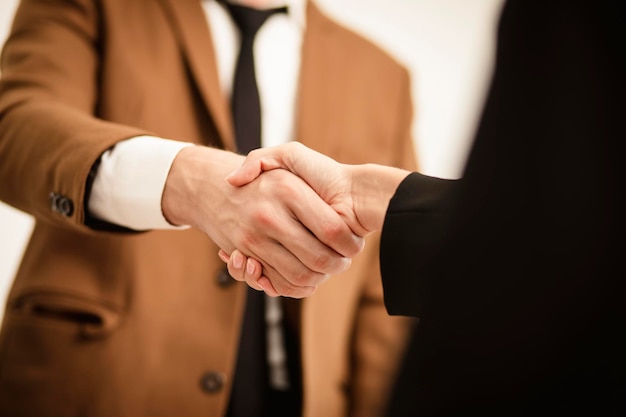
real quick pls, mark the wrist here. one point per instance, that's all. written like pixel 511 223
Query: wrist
pixel 373 186
pixel 196 179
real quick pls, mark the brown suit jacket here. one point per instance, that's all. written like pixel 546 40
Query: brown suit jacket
pixel 105 323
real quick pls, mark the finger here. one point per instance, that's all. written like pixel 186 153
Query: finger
pixel 267 286
pixel 225 257
pixel 242 268
pixel 252 267
pixel 275 285
pixel 296 253
pixel 273 235
pixel 265 159
pixel 255 163
pixel 292 292
pixel 253 270
pixel 286 270
pixel 234 262
pixel 291 271
pixel 252 276
pixel 316 217
pixel 245 174
pixel 327 225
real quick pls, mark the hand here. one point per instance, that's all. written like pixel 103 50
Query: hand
pixel 359 193
pixel 262 219
pixel 243 268
pixel 330 179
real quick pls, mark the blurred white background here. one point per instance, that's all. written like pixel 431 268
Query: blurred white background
pixel 446 44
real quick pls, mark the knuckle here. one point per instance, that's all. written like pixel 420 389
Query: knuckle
pixel 334 229
pixel 283 185
pixel 323 262
pixel 301 278
pixel 351 249
pixel 307 278
pixel 263 218
pixel 342 238
pixel 247 239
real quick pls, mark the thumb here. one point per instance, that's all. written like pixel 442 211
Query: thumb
pixel 257 161
pixel 246 173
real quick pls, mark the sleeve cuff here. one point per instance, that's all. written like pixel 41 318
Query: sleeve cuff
pixel 129 183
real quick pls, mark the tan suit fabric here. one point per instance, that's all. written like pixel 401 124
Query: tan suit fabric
pixel 111 323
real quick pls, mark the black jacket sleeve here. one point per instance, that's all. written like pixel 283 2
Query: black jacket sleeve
pixel 413 229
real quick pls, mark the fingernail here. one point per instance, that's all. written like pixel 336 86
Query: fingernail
pixel 250 268
pixel 237 260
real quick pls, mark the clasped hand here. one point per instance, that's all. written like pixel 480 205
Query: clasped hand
pixel 294 238
pixel 331 180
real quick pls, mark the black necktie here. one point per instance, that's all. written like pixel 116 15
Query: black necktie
pixel 245 101
pixel 250 395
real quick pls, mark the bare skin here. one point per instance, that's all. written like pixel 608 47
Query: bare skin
pixel 358 193
pixel 265 219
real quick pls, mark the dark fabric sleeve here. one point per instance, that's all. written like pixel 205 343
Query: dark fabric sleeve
pixel 413 226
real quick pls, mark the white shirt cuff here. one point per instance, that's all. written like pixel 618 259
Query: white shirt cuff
pixel 129 183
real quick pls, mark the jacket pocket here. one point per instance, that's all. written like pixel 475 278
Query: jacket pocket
pixel 55 357
pixel 91 319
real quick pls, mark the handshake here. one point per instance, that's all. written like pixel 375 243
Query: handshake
pixel 327 227
pixel 287 218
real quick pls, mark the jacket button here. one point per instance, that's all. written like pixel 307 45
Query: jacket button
pixel 224 279
pixel 212 382
pixel 61 204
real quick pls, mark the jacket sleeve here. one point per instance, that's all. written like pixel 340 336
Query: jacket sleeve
pixel 413 229
pixel 50 136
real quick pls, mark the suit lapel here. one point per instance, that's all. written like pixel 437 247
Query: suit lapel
pixel 191 28
pixel 318 101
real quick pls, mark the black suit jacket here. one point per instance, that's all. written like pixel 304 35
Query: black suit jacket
pixel 516 270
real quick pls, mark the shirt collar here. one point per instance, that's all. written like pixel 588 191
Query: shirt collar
pixel 297 9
